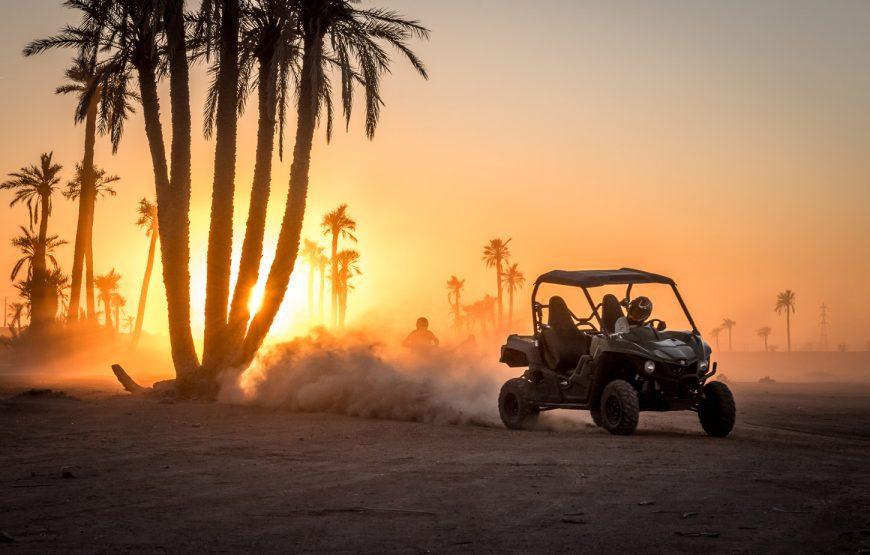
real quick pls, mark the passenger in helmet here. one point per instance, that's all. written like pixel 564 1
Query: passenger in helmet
pixel 639 310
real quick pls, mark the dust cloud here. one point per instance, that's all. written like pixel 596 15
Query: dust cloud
pixel 356 375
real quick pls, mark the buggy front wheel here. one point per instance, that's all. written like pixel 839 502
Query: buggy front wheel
pixel 716 411
pixel 514 407
pixel 619 408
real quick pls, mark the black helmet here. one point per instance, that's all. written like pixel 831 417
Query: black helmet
pixel 639 309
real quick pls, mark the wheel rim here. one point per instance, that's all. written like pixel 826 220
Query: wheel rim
pixel 613 410
pixel 511 405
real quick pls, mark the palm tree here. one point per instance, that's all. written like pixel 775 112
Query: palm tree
pixel 495 254
pixel 268 31
pixel 785 302
pixel 332 32
pixel 118 303
pixel 34 186
pixel 764 333
pixel 100 186
pixel 16 312
pixel 148 221
pixel 103 103
pixel 348 266
pixel 311 253
pixel 714 333
pixel 27 243
pixel 454 292
pixel 513 279
pixel 107 285
pixel 337 224
pixel 129 323
pixel 728 324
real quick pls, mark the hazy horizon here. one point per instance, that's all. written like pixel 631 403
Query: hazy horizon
pixel 719 144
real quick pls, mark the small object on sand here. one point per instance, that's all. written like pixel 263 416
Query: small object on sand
pixel 646 503
pixel 688 515
pixel 5 538
pixel 573 521
pixel 66 473
pixel 698 534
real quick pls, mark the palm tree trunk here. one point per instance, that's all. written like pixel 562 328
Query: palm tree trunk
pixel 173 204
pixel 294 211
pixel 498 277
pixel 220 235
pixel 333 282
pixel 788 327
pixel 311 292
pixel 107 313
pixel 342 306
pixel 252 247
pixel 39 318
pixel 87 191
pixel 320 292
pixel 90 300
pixel 765 343
pixel 143 294
pixel 729 340
pixel 510 306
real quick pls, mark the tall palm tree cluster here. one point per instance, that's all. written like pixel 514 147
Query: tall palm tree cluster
pixel 490 309
pixel 310 53
pixel 43 286
pixel 343 264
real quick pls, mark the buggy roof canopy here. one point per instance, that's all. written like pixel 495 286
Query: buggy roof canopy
pixel 597 278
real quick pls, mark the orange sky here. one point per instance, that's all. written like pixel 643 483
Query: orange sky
pixel 722 144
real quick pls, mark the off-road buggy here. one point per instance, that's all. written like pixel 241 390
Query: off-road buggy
pixel 608 364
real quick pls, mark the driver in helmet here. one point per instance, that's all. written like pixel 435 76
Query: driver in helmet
pixel 639 310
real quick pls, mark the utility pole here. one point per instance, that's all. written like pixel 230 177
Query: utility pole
pixel 823 327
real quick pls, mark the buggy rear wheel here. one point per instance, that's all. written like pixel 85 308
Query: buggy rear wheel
pixel 619 409
pixel 514 407
pixel 716 411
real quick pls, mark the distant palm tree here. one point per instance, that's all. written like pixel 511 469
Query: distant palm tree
pixel 513 279
pixel 118 303
pixel 148 221
pixel 454 292
pixel 785 302
pixel 495 253
pixel 101 186
pixel 107 285
pixel 34 186
pixel 55 292
pixel 27 243
pixel 129 323
pixel 16 312
pixel 311 253
pixel 337 224
pixel 714 333
pixel 764 333
pixel 728 324
pixel 481 312
pixel 348 266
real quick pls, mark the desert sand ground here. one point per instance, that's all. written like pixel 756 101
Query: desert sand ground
pixel 108 472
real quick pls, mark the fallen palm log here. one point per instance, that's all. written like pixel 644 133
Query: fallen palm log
pixel 162 388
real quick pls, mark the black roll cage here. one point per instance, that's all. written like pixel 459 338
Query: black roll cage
pixel 537 308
